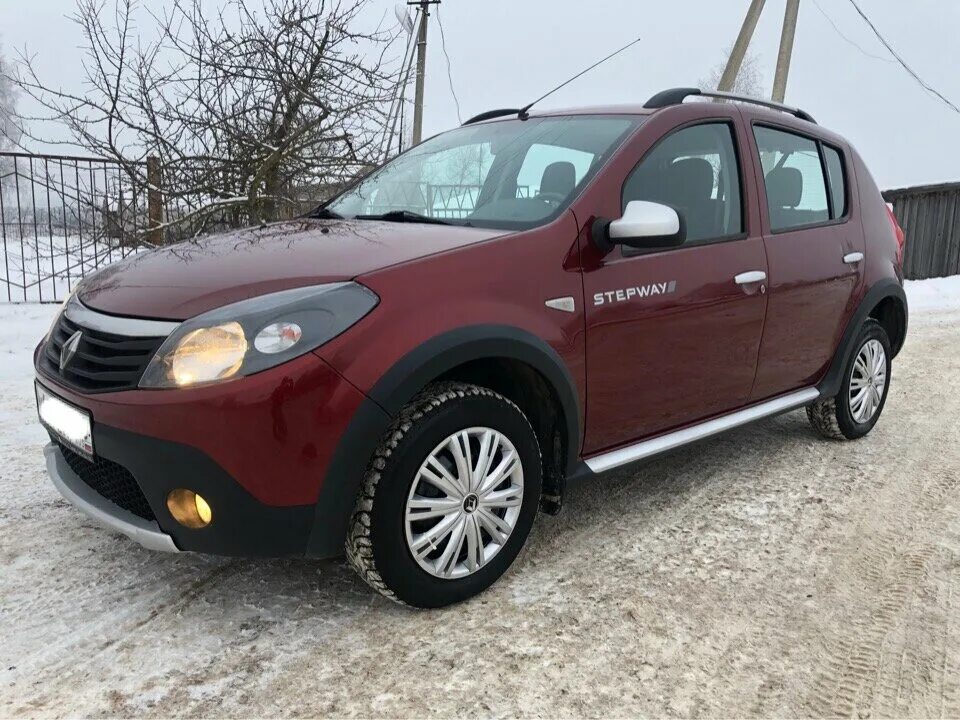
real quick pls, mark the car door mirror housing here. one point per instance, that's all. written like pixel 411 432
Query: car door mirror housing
pixel 643 225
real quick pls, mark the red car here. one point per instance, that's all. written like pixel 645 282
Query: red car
pixel 416 369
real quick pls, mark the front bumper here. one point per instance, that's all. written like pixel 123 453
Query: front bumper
pixel 95 506
pixel 241 526
pixel 278 457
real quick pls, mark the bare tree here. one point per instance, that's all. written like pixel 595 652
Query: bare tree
pixel 9 135
pixel 749 80
pixel 252 109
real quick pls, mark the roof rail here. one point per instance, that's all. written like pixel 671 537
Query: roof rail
pixel 675 96
pixel 490 114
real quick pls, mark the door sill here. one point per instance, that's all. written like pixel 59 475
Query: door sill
pixel 663 443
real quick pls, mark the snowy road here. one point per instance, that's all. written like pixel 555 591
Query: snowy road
pixel 766 572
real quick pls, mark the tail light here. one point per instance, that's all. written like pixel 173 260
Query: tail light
pixel 901 236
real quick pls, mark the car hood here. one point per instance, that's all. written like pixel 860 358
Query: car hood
pixel 183 280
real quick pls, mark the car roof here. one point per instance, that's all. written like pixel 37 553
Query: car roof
pixel 750 111
pixel 668 100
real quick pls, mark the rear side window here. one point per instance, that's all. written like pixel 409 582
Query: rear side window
pixel 838 183
pixel 793 175
pixel 695 171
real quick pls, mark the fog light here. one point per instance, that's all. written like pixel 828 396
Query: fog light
pixel 189 509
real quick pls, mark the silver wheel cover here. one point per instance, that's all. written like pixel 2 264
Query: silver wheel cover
pixel 867 381
pixel 464 503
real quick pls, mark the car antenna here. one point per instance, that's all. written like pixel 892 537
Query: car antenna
pixel 522 113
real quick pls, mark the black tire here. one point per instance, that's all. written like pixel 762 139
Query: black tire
pixel 833 417
pixel 376 543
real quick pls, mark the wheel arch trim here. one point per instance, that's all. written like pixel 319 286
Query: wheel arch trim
pixel 442 353
pixel 399 384
pixel 878 292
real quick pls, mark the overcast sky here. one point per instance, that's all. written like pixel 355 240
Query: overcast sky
pixel 507 52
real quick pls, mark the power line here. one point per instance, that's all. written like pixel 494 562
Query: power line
pixel 902 62
pixel 847 39
pixel 443 45
pixel 397 104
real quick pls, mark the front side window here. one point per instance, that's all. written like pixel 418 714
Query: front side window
pixel 793 176
pixel 511 174
pixel 695 171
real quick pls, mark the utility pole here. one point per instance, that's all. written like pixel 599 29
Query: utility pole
pixel 739 51
pixel 421 66
pixel 786 50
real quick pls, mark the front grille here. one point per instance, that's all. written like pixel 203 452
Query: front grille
pixel 103 362
pixel 112 481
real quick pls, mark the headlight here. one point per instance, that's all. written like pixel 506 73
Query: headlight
pixel 254 335
pixel 206 354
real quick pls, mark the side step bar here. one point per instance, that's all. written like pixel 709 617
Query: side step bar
pixel 657 445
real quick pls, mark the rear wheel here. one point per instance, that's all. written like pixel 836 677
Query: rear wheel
pixel 856 409
pixel 449 497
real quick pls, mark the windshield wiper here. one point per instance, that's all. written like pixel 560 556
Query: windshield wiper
pixel 325 214
pixel 403 216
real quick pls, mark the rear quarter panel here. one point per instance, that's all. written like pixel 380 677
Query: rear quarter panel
pixel 879 236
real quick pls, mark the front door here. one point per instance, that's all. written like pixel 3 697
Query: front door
pixel 672 338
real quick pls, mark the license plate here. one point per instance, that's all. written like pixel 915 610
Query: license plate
pixel 71 425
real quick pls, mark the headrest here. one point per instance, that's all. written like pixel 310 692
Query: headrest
pixel 690 179
pixel 559 177
pixel 784 187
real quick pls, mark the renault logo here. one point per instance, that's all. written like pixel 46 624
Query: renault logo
pixel 69 349
pixel 470 503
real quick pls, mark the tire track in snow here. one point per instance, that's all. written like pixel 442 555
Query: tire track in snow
pixel 876 665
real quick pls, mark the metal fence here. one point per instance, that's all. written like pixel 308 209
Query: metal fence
pixel 61 218
pixel 930 217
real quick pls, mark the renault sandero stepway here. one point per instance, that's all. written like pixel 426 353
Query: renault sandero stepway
pixel 414 370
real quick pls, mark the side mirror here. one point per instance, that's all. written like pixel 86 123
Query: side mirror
pixel 643 225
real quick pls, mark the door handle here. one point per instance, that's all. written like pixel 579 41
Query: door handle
pixel 753 276
pixel 853 258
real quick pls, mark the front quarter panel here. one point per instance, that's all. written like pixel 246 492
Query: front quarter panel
pixel 502 282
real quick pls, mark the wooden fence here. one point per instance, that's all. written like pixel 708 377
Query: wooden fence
pixel 930 216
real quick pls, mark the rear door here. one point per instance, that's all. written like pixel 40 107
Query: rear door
pixel 671 337
pixel 814 252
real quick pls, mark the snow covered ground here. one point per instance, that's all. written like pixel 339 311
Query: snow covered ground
pixel 766 573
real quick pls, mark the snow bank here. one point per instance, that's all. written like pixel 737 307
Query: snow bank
pixel 933 295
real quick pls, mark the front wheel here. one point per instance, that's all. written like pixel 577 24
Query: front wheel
pixel 866 381
pixel 449 497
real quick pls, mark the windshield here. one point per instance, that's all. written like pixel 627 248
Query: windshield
pixel 512 174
